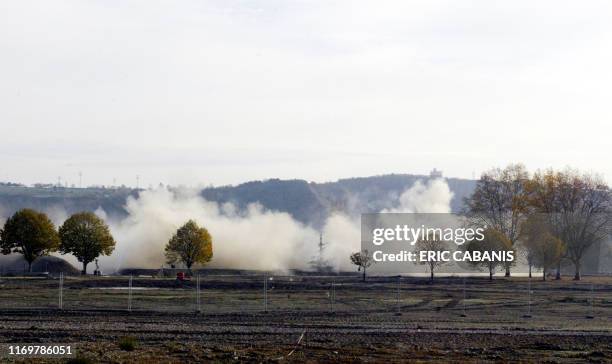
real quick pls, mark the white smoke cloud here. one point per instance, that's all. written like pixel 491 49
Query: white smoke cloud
pixel 433 197
pixel 251 239
pixel 343 236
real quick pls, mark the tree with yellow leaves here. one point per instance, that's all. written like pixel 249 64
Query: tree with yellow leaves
pixel 190 244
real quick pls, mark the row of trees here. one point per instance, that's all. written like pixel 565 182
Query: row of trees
pixel 550 216
pixel 86 236
pixel 32 234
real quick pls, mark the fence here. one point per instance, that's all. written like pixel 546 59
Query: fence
pixel 514 299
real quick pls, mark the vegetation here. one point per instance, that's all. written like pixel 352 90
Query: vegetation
pixel 190 244
pixel 431 245
pixel 86 236
pixel 494 241
pixel 541 245
pixel 577 207
pixel 30 233
pixel 500 202
pixel 363 260
pixel 127 343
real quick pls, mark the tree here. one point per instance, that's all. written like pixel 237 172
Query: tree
pixel 363 260
pixel 578 207
pixel 30 233
pixel 541 245
pixel 86 236
pixel 190 244
pixel 493 242
pixel 500 202
pixel 430 245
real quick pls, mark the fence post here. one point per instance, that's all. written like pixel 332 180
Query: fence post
pixel 198 293
pixel 332 297
pixel 61 293
pixel 591 314
pixel 130 294
pixel 265 292
pixel 463 314
pixel 399 309
pixel 528 315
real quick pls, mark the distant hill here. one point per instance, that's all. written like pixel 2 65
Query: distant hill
pixel 311 203
pixel 70 200
pixel 308 202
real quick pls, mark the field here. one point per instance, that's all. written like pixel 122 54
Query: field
pixel 314 319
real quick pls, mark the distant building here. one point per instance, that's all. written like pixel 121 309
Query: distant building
pixel 435 174
pixel 44 185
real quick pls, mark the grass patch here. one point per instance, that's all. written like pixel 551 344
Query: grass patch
pixel 79 360
pixel 127 343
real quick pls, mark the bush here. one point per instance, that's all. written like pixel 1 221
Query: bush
pixel 127 343
pixel 79 360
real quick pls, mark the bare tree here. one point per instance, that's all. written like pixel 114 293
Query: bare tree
pixel 500 202
pixel 430 245
pixel 363 260
pixel 579 208
pixel 542 246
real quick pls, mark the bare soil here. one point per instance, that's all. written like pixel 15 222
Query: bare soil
pixel 366 322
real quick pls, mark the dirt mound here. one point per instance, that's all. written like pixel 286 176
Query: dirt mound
pixel 16 265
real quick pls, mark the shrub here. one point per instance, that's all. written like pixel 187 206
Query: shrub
pixel 127 343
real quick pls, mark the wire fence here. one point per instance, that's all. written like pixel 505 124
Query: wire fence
pixel 215 294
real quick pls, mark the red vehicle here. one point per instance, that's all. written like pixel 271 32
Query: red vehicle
pixel 180 276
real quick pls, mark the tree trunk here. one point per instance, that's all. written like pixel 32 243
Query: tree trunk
pixel 507 271
pixel 558 276
pixel 577 275
pixel 363 276
pixel 490 274
pixel 544 274
pixel 431 275
pixel 84 272
pixel 30 266
pixel 529 270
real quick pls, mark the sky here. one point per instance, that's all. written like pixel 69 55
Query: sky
pixel 221 92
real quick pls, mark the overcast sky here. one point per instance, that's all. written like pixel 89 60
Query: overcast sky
pixel 217 92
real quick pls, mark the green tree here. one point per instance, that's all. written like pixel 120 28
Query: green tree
pixel 86 236
pixel 30 233
pixel 190 244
